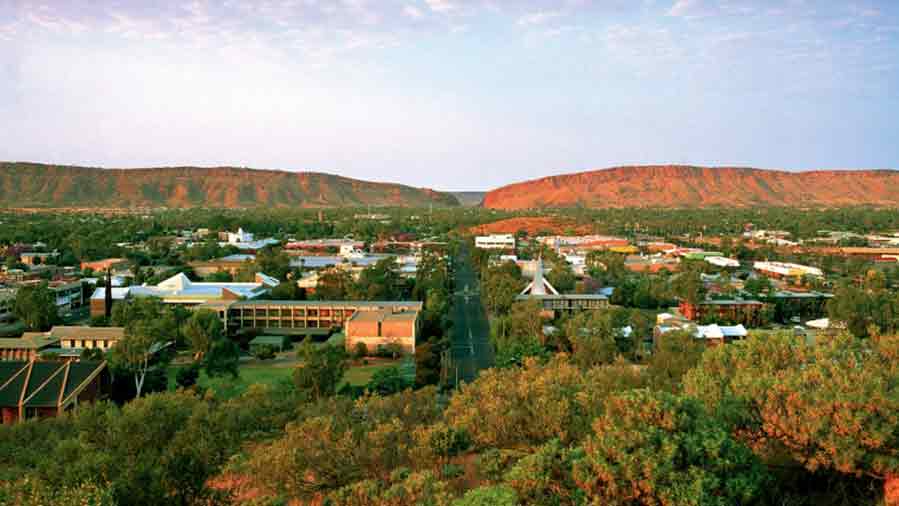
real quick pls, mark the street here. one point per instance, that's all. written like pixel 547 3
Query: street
pixel 471 349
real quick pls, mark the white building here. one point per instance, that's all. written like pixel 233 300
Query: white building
pixel 784 269
pixel 722 261
pixel 495 241
pixel 246 241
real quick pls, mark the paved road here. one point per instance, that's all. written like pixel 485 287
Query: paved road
pixel 471 349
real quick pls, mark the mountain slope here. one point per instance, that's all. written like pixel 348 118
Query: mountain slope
pixel 470 198
pixel 687 186
pixel 38 185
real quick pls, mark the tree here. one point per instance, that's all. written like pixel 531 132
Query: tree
pixel 107 295
pixel 427 364
pixel 35 305
pixel 322 369
pixel 652 448
pixel 273 262
pixel 675 353
pixel 149 328
pixel 831 405
pixel 688 286
pixel 388 380
pixel 335 284
pixel 380 281
pixel 223 358
pixel 592 338
pixel 288 290
pixel 201 330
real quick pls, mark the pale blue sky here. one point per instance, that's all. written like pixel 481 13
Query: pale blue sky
pixel 451 94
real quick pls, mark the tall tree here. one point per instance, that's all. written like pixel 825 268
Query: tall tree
pixel 201 330
pixel 36 306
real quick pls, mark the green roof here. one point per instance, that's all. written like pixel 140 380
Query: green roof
pixel 270 340
pixel 44 384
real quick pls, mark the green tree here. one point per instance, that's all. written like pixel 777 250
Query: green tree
pixel 149 329
pixel 222 359
pixel 653 448
pixel 322 369
pixel 388 380
pixel 674 354
pixel 35 305
pixel 828 406
pixel 201 330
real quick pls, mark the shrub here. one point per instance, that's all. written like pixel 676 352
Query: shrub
pixel 187 376
pixel 264 352
pixel 360 350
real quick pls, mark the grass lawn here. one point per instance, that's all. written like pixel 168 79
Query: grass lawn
pixel 272 372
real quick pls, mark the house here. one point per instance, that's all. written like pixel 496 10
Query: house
pixel 382 327
pixel 27 347
pixel 34 389
pixel 495 241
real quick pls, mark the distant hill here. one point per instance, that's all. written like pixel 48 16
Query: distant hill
pixel 688 186
pixel 469 199
pixel 38 185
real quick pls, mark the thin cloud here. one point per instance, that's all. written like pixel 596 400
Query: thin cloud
pixel 539 18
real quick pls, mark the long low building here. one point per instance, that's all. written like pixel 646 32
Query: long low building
pixel 784 269
pixel 303 317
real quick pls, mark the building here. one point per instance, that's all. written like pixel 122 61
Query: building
pixel 246 241
pixel 112 264
pixel 495 241
pixel 381 328
pixel 582 242
pixel 180 290
pixel 712 335
pixel 98 299
pixel 230 264
pixel 324 245
pixel 541 289
pixel 786 270
pixel 33 389
pixel 81 337
pixel 720 261
pixel 790 307
pixel 298 317
pixel 31 259
pixel 746 312
pixel 27 347
pixel 651 263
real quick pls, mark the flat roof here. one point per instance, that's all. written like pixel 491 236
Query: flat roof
pixel 319 303
pixel 585 296
pixel 384 315
pixel 84 332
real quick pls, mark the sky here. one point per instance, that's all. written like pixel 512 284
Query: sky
pixel 450 94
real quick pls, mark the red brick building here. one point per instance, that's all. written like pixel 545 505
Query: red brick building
pixel 382 327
